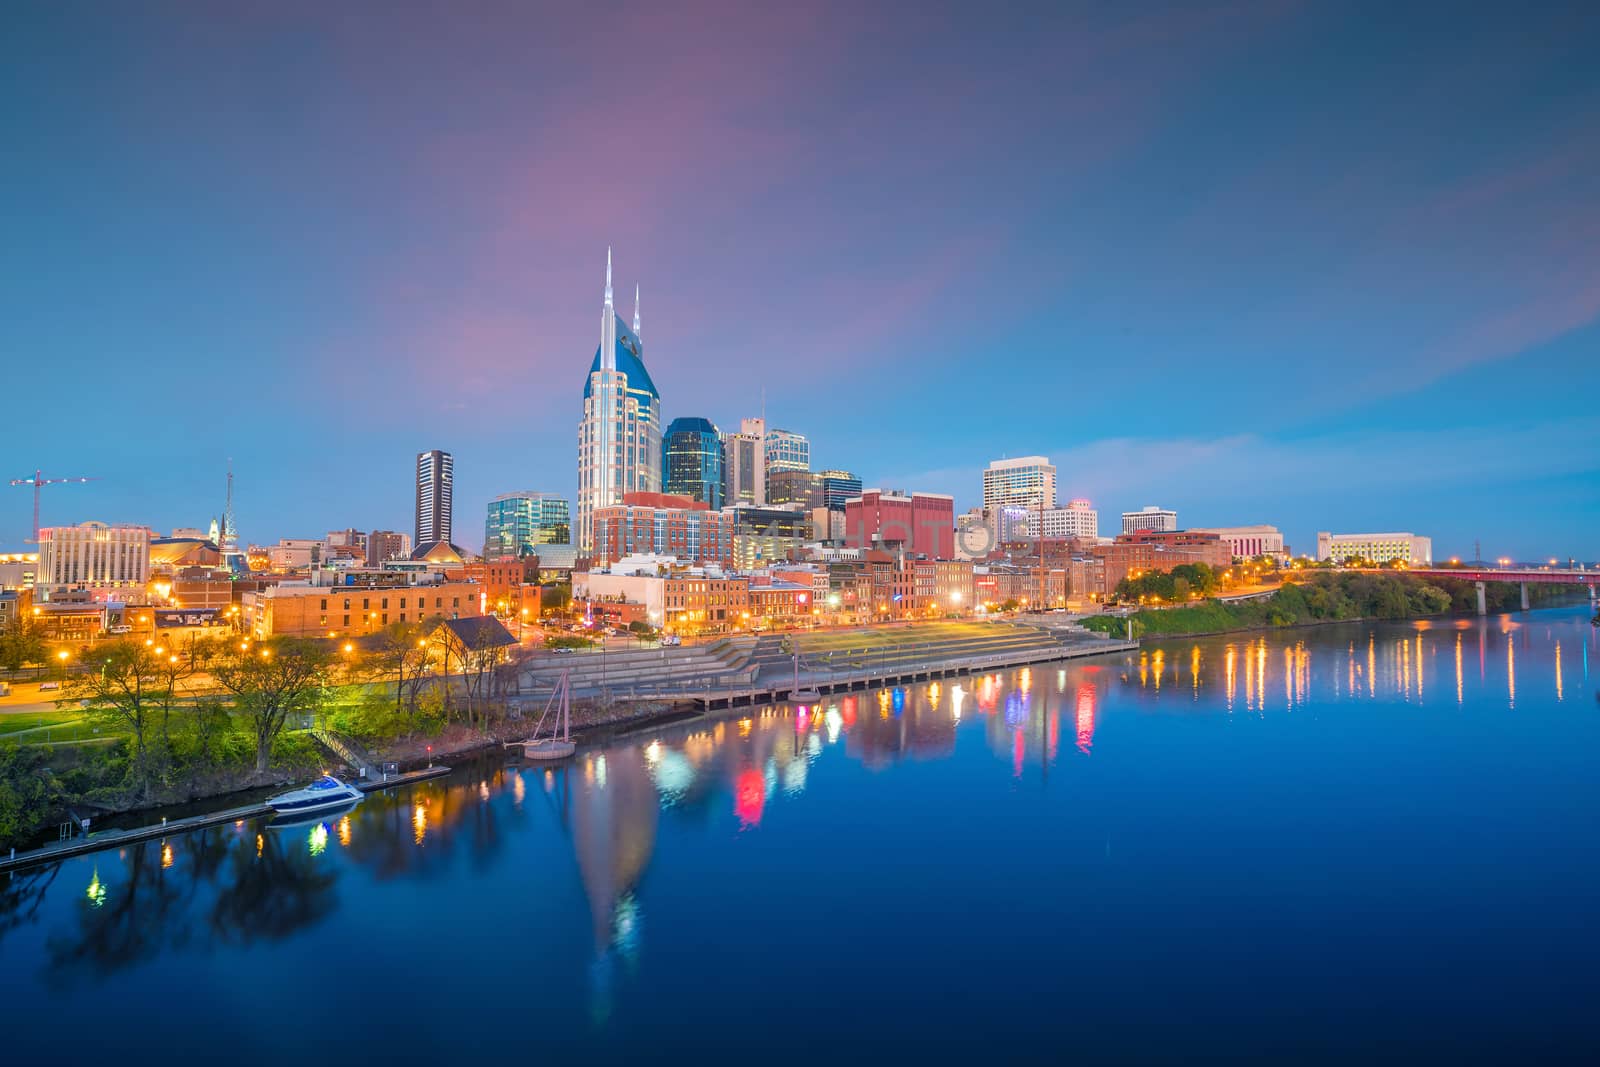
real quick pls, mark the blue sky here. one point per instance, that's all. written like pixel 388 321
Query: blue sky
pixel 1326 266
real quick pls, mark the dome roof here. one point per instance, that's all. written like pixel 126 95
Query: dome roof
pixel 438 552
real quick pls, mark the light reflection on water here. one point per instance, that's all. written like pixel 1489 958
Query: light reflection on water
pixel 633 843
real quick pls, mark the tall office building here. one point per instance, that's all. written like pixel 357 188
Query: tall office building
pixel 435 506
pixel 1028 480
pixel 744 457
pixel 838 487
pixel 518 523
pixel 692 448
pixel 1077 521
pixel 1150 518
pixel 786 450
pixel 619 435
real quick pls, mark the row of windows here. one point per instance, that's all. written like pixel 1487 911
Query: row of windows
pixel 422 602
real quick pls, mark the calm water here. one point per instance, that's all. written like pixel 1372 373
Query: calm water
pixel 1377 839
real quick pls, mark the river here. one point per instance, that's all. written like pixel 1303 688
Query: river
pixel 1364 839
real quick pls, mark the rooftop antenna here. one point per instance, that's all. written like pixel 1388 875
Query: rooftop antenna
pixel 229 536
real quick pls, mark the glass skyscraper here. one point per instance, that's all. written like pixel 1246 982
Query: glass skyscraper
pixel 518 523
pixel 692 448
pixel 435 489
pixel 839 486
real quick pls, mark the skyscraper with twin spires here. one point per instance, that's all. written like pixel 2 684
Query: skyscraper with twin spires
pixel 619 436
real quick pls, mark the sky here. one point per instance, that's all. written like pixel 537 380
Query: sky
pixel 1326 266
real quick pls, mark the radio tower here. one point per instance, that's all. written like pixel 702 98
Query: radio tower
pixel 228 539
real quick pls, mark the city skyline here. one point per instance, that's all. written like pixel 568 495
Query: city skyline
pixel 1233 285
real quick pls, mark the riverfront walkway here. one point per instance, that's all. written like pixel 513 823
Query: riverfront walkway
pixel 100 840
pixel 752 669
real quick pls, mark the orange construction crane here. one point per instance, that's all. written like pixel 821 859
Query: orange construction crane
pixel 39 481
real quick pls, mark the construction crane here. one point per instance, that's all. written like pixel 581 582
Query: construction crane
pixel 39 481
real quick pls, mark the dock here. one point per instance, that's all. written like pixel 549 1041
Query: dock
pixel 103 839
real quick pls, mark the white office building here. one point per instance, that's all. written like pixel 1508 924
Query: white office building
pixel 787 451
pixel 93 556
pixel 1375 547
pixel 1077 520
pixel 1149 518
pixel 1029 481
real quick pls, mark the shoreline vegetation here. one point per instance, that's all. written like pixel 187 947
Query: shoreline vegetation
pixel 1316 598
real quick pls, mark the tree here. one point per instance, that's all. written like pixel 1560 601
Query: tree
pixel 270 682
pixel 133 686
pixel 21 642
pixel 401 656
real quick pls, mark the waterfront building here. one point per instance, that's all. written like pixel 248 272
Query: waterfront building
pixel 744 464
pixel 662 524
pixel 384 545
pixel 619 434
pixel 1150 518
pixel 922 523
pixel 1375 547
pixel 1250 541
pixel 1160 550
pixel 838 487
pixel 515 524
pixel 93 557
pixel 297 609
pixel 692 448
pixel 435 496
pixel 1078 520
pixel 1027 480
pixel 786 450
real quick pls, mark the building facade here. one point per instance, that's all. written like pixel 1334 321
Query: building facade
pixel 516 523
pixel 796 487
pixel 692 448
pixel 1027 480
pixel 435 496
pixel 93 556
pixel 384 545
pixel 1375 547
pixel 1078 520
pixel 923 523
pixel 619 434
pixel 839 487
pixel 1149 518
pixel 295 610
pixel 744 458
pixel 1250 541
pixel 661 524
pixel 786 450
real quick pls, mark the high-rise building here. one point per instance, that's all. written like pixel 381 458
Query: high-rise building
pixel 93 555
pixel 619 435
pixel 1078 520
pixel 384 545
pixel 787 451
pixel 795 487
pixel 744 457
pixel 517 523
pixel 435 505
pixel 838 487
pixel 1027 480
pixel 1150 518
pixel 692 448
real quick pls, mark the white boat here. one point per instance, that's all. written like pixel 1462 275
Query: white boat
pixel 325 792
pixel 553 747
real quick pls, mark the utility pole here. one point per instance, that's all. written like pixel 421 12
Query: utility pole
pixel 39 481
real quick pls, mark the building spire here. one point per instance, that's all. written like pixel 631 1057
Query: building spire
pixel 636 309
pixel 608 277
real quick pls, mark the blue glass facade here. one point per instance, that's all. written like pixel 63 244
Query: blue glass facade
pixel 517 523
pixel 692 450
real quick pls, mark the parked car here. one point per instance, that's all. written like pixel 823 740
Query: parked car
pixel 48 685
pixel 564 651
